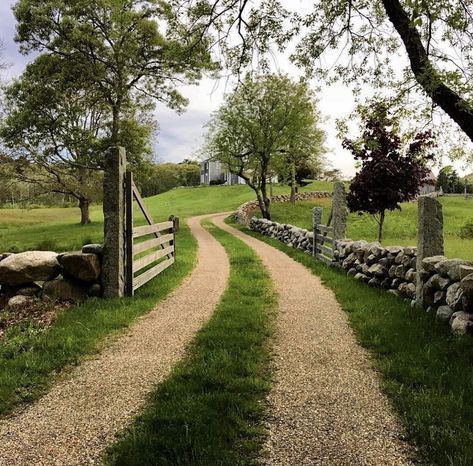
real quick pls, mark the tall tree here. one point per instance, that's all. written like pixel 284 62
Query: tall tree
pixel 115 48
pixel 57 132
pixel 389 174
pixel 435 35
pixel 268 120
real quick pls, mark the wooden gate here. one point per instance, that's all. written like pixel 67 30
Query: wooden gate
pixel 147 258
pixel 324 241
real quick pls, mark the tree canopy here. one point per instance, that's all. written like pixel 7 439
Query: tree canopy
pixel 57 133
pixel 115 49
pixel 268 123
pixel 436 37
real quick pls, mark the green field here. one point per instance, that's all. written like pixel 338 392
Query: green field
pixel 58 228
pixel 400 226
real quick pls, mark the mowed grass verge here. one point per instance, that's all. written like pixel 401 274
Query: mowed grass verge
pixel 209 411
pixel 400 227
pixel 58 229
pixel 425 371
pixel 30 356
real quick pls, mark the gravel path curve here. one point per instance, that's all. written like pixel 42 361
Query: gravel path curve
pixel 326 407
pixel 80 416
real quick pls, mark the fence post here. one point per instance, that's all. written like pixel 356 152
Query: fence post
pixel 339 211
pixel 429 238
pixel 316 220
pixel 114 223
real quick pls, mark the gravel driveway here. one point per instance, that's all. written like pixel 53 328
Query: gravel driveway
pixel 326 407
pixel 80 416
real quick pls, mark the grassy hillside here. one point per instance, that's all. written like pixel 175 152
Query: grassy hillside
pixel 58 228
pixel 400 226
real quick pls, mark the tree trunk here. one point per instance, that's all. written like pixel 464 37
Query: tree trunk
pixel 266 200
pixel 84 211
pixel 380 226
pixel 447 99
pixel 293 183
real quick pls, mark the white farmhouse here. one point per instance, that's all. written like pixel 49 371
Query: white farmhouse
pixel 212 170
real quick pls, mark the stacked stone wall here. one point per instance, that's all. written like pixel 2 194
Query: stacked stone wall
pixel 447 283
pixel 245 211
pixel 30 275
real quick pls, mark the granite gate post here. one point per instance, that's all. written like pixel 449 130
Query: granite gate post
pixel 339 211
pixel 114 223
pixel 316 220
pixel 429 238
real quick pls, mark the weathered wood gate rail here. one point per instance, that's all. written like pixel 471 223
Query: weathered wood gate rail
pixel 323 245
pixel 129 264
pixel 164 237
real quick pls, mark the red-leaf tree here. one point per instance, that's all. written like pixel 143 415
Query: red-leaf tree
pixel 391 172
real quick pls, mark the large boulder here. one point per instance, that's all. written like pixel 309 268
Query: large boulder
pixel 69 290
pixel 83 266
pixel 27 267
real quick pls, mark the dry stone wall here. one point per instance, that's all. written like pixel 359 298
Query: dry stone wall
pixel 245 211
pixel 447 283
pixel 71 276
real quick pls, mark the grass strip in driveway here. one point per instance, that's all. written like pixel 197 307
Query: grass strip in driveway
pixel 30 355
pixel 425 371
pixel 209 411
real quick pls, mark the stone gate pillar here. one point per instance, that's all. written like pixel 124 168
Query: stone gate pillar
pixel 429 238
pixel 114 223
pixel 339 211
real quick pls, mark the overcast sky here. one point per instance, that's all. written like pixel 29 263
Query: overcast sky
pixel 181 135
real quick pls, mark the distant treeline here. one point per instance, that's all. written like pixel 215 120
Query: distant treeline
pixel 164 176
pixel 153 179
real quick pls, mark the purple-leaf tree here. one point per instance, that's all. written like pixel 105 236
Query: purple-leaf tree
pixel 391 172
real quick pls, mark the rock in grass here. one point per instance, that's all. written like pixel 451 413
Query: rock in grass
pixel 27 267
pixel 19 301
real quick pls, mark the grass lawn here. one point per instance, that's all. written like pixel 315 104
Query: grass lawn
pixel 400 226
pixel 208 412
pixel 58 228
pixel 30 354
pixel 425 371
